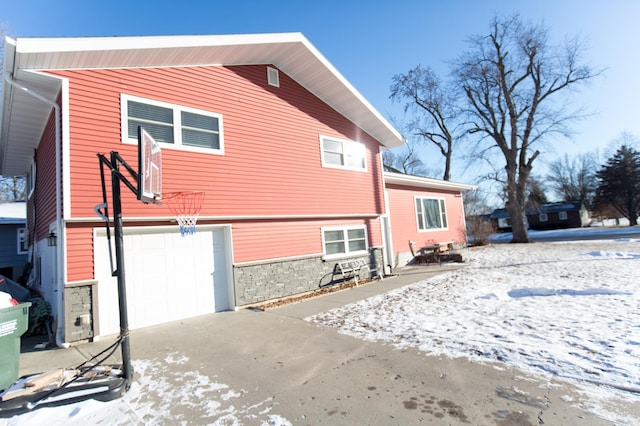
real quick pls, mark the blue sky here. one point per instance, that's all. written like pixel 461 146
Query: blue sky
pixel 371 41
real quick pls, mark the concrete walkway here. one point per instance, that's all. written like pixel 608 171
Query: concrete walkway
pixel 261 368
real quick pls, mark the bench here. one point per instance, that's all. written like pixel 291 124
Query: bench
pixel 350 269
pixel 435 252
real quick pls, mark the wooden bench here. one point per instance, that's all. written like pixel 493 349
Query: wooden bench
pixel 350 269
pixel 435 252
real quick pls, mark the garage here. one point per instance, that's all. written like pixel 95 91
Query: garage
pixel 169 277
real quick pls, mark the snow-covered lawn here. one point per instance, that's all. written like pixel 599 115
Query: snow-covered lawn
pixel 570 309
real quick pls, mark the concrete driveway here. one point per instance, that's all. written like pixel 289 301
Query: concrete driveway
pixel 269 368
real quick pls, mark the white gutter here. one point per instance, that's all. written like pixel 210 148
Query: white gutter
pixel 61 234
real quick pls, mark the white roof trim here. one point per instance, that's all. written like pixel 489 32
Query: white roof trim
pixel 428 183
pixel 292 53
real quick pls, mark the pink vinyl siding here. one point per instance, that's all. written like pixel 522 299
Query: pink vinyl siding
pixel 44 196
pixel 272 160
pixel 271 167
pixel 404 224
pixel 263 240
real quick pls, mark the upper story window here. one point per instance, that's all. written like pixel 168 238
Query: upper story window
pixel 344 241
pixel 343 154
pixel 431 213
pixel 23 241
pixel 172 125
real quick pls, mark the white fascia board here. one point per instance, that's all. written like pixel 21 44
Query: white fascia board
pixel 429 183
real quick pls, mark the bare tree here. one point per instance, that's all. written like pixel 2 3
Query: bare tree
pixel 406 161
pixel 574 179
pixel 12 188
pixel 515 84
pixel 434 107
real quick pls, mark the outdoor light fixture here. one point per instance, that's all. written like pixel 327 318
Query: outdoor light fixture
pixel 52 239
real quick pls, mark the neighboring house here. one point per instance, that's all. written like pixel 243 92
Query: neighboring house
pixel 423 212
pixel 284 147
pixel 573 214
pixel 13 239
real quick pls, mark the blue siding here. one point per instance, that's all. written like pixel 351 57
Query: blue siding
pixel 9 257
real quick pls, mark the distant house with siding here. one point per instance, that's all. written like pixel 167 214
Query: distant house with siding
pixel 13 239
pixel 573 214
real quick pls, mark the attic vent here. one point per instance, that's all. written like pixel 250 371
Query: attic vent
pixel 273 77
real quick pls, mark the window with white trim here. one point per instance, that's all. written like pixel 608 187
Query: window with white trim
pixel 562 215
pixel 23 241
pixel 543 217
pixel 172 125
pixel 431 213
pixel 273 77
pixel 344 241
pixel 343 154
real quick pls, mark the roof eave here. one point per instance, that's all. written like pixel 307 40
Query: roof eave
pixel 428 183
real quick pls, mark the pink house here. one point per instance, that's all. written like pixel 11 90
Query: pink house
pixel 285 149
pixel 423 212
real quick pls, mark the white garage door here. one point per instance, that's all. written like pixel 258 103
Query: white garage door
pixel 168 277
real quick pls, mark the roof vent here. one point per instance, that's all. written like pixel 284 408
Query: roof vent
pixel 273 77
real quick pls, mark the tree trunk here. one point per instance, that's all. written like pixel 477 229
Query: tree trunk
pixel 516 203
pixel 518 220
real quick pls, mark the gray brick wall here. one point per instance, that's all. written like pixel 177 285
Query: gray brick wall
pixel 259 282
pixel 79 313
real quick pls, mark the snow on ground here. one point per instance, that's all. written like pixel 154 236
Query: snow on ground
pixel 161 395
pixel 568 310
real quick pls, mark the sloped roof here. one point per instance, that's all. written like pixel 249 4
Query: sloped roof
pixel 24 116
pixel 12 212
pixel 544 208
pixel 424 182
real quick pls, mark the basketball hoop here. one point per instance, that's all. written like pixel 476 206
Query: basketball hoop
pixel 185 206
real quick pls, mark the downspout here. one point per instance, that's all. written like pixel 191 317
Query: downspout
pixel 61 240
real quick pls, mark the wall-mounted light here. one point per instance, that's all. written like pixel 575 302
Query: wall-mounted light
pixel 52 239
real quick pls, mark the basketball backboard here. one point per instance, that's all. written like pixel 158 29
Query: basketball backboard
pixel 149 168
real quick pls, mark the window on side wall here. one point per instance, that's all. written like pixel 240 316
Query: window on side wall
pixel 542 217
pixel 22 241
pixel 562 215
pixel 344 241
pixel 343 154
pixel 431 213
pixel 172 125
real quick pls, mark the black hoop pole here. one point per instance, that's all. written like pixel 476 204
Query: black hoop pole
pixel 120 272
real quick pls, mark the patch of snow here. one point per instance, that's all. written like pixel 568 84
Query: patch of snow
pixel 487 312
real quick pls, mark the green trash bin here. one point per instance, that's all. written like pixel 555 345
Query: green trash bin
pixel 14 321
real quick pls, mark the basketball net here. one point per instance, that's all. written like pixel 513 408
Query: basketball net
pixel 185 206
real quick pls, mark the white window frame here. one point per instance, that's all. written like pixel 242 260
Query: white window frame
pixel 563 216
pixel 31 179
pixel 348 147
pixel 443 215
pixel 543 217
pixel 22 240
pixel 345 232
pixel 273 77
pixel 177 124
